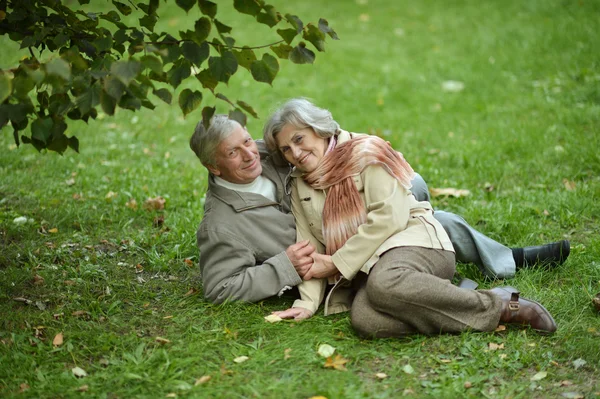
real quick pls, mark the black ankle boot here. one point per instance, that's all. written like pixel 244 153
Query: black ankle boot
pixel 552 254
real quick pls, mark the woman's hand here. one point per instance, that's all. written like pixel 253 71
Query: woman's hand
pixel 322 267
pixel 294 313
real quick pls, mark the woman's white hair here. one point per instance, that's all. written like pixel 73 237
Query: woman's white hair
pixel 204 142
pixel 300 113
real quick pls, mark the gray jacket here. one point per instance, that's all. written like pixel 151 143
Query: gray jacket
pixel 239 235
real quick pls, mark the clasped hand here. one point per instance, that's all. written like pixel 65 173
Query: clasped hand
pixel 308 263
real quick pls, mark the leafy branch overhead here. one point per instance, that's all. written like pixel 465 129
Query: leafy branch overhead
pixel 81 62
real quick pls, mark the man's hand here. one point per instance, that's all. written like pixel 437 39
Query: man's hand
pixel 321 268
pixel 294 313
pixel 300 256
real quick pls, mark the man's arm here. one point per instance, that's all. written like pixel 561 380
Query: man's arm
pixel 230 272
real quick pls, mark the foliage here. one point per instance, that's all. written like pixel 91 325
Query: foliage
pixel 99 61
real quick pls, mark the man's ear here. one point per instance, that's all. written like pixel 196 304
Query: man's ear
pixel 214 170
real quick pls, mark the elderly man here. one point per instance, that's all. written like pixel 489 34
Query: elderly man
pixel 247 236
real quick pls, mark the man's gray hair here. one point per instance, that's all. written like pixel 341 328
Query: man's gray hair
pixel 300 113
pixel 204 142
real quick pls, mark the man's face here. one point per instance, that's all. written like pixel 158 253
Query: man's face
pixel 237 158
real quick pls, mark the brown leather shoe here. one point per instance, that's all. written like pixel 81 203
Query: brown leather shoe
pixel 523 311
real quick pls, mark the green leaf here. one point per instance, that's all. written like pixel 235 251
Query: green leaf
pixel 74 143
pixel 295 22
pixel 59 67
pixel 58 144
pixel 223 67
pixel 181 70
pixel 208 8
pixel 164 95
pixel 223 97
pixel 189 100
pixel 238 116
pixel 125 71
pixel 246 107
pixel 151 62
pixel 315 36
pixel 103 44
pixel 245 57
pixel 123 8
pixel 250 7
pixel 186 4
pixel 270 17
pixel 266 69
pixel 108 102
pixel 207 80
pixel 324 27
pixel 287 34
pixel 152 7
pixel 22 85
pixel 221 27
pixel 195 53
pixel 301 55
pixel 5 87
pixel 283 50
pixel 88 100
pixel 130 102
pixel 41 129
pixel 148 21
pixel 202 29
pixel 207 114
pixel 114 87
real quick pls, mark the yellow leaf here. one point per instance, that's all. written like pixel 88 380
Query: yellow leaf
pixel 202 380
pixel 381 376
pixel 162 340
pixel 110 195
pixel 171 395
pixel 569 185
pixel 326 350
pixel 241 359
pixel 189 262
pixel 132 204
pixel 53 231
pixel 337 363
pixel 156 203
pixel 449 192
pixel 468 384
pixel 58 339
pixel 286 353
pixel 501 327
pixel 273 318
pixel 494 347
pixel 83 388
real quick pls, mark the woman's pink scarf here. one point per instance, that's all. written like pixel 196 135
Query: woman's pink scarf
pixel 344 209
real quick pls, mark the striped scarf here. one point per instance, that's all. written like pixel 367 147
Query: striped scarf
pixel 344 210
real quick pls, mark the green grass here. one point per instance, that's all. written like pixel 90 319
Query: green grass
pixel 528 118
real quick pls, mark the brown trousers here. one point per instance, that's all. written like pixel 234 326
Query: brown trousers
pixel 408 291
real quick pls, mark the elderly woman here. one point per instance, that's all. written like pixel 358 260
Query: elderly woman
pixel 389 261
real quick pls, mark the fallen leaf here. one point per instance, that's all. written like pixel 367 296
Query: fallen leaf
pixel 565 383
pixel 503 356
pixel 157 203
pixel 449 192
pixel 81 313
pixel 132 204
pixel 326 350
pixel 189 262
pixel 69 282
pixel 110 195
pixel 596 301
pixel 445 360
pixel 192 291
pixel 408 369
pixel 286 353
pixel 53 231
pixel 468 384
pixel 407 391
pixel 381 376
pixel 273 318
pixel 453 86
pixel 337 363
pixel 23 387
pixel 70 182
pixel 57 316
pixel 539 376
pixel 241 359
pixel 171 395
pixel 494 347
pixel 162 340
pixel 225 371
pixel 79 372
pixel 202 380
pixel 20 220
pixel 83 388
pixel 572 395
pixel 569 185
pixel 546 213
pixel 579 363
pixel 38 280
pixel 24 300
pixel 58 339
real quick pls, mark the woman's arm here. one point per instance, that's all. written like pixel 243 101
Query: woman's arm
pixel 388 211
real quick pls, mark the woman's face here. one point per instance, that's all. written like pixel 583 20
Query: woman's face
pixel 301 147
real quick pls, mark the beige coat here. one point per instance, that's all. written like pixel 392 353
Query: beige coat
pixel 394 219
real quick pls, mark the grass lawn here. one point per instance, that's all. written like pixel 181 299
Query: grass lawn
pixel 122 285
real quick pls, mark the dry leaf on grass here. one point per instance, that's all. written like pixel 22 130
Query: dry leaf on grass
pixel 202 380
pixel 162 340
pixel 577 363
pixel 468 384
pixel 241 359
pixel 326 350
pixel 381 376
pixel 58 339
pixel 53 231
pixel 189 262
pixel 449 192
pixel 83 388
pixel 494 347
pixel 286 353
pixel 156 203
pixel 23 387
pixel 573 395
pixel 78 372
pixel 337 363
pixel 132 204
pixel 569 185
pixel 408 369
pixel 539 376
pixel 596 301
